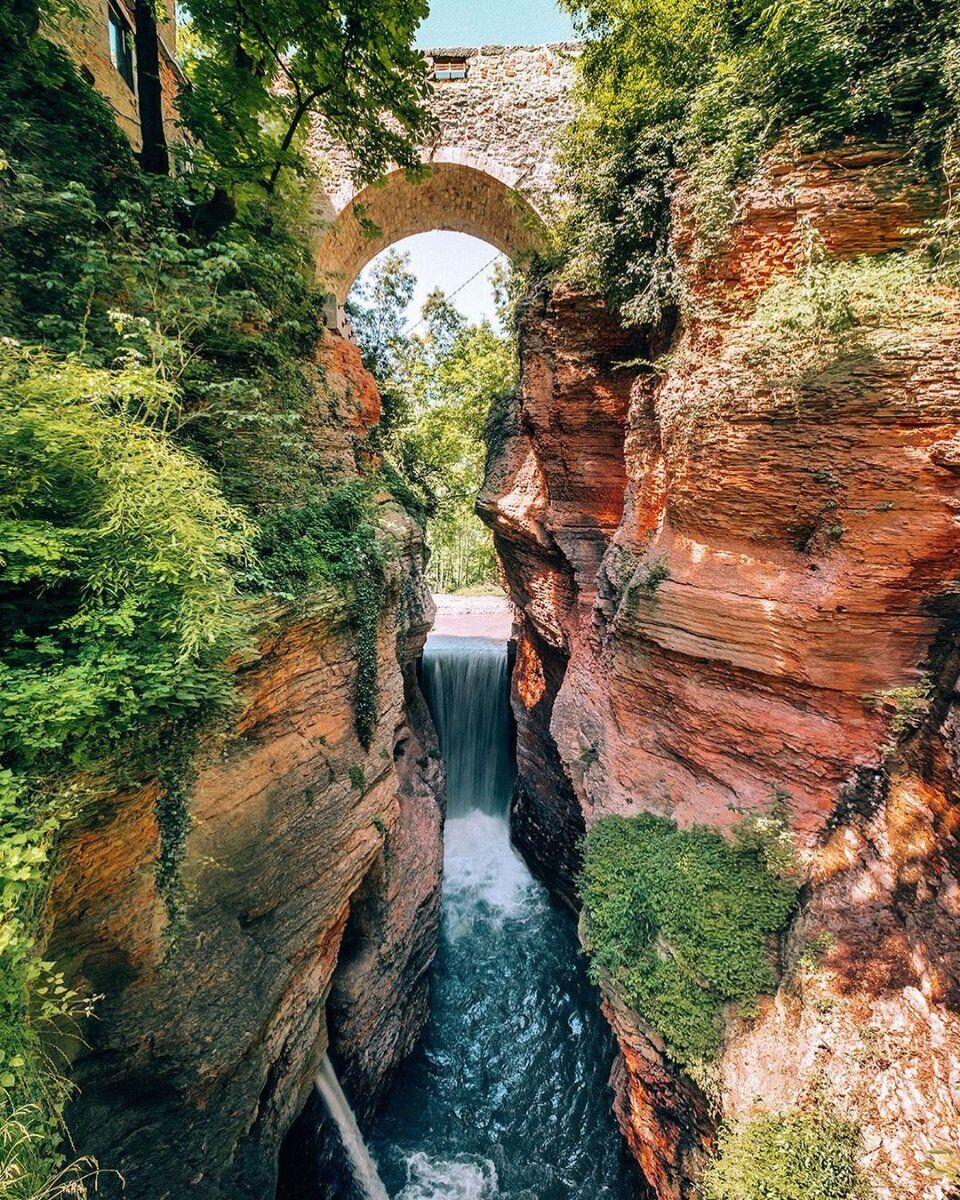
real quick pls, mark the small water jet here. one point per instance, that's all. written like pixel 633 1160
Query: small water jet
pixel 361 1164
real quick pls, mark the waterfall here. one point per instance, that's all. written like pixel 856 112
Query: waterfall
pixel 506 1098
pixel 363 1167
pixel 467 689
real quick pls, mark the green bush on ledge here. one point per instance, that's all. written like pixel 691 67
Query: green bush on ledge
pixel 683 922
pixel 801 1156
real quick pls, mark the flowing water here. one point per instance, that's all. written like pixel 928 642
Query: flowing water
pixel 507 1097
pixel 361 1164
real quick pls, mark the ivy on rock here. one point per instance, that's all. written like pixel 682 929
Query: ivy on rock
pixel 683 922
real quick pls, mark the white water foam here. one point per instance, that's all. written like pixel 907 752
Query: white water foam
pixel 483 876
pixel 463 1178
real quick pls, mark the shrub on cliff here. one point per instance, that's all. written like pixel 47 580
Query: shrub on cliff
pixel 333 541
pixel 801 1156
pixel 667 84
pixel 683 922
pixel 117 609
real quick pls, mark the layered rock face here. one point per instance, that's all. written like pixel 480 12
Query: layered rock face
pixel 554 495
pixel 311 883
pixel 734 574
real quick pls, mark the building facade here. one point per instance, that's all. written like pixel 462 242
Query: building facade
pixel 103 46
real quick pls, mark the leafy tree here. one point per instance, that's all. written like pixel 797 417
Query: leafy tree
pixel 707 85
pixel 265 67
pixel 441 378
pixel 377 309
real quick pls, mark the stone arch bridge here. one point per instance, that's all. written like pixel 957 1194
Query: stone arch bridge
pixel 498 112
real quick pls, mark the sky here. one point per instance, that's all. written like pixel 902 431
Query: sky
pixel 498 22
pixel 448 260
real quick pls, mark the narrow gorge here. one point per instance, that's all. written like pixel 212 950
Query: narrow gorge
pixel 512 757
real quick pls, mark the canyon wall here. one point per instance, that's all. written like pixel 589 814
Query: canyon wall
pixel 736 572
pixel 311 887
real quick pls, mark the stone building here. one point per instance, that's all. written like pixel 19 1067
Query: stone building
pixel 102 45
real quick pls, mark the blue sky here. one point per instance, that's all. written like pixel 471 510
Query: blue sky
pixel 506 22
pixel 450 260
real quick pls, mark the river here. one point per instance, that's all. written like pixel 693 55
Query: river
pixel 507 1096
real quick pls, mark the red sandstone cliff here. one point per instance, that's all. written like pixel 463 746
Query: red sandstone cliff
pixel 312 894
pixel 724 566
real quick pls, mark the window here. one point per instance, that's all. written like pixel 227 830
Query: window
pixel 449 68
pixel 121 45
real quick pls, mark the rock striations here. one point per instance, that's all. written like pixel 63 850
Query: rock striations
pixel 736 573
pixel 311 882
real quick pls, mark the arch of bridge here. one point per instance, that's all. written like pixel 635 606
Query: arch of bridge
pixel 490 165
pixel 455 195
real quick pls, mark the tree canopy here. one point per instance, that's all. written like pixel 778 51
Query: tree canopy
pixel 260 68
pixel 439 381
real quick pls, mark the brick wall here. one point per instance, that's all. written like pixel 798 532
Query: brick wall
pixel 89 44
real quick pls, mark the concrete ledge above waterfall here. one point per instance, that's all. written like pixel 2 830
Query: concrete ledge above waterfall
pixel 474 616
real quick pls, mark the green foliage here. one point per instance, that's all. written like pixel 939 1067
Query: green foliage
pixel 367 605
pixel 944 1165
pixel 377 310
pixel 816 950
pixel 176 776
pixel 327 541
pixel 800 1156
pixel 831 309
pixel 333 541
pixel 683 922
pixel 441 384
pixel 262 68
pixel 650 579
pixel 158 385
pixel 117 599
pixel 908 705
pixel 96 262
pixel 767 834
pixel 707 87
pixel 53 124
pixel 117 608
pixel 226 325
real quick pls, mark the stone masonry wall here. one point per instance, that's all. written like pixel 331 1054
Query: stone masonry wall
pixel 502 118
pixel 492 158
